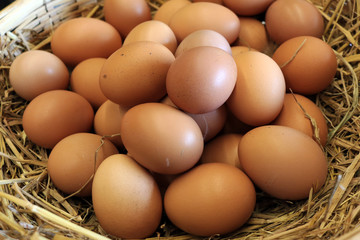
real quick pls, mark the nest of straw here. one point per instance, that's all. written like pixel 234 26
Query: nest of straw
pixel 32 208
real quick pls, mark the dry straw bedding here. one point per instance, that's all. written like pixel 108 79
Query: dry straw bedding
pixel 31 208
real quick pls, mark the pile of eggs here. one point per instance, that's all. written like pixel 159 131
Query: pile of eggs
pixel 182 114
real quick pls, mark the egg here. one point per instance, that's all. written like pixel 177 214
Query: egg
pixel 223 149
pixel 240 49
pixel 287 19
pixel 126 199
pixel 54 115
pixel 107 121
pixel 85 81
pixel 201 79
pixel 210 199
pixel 248 7
pixel 124 15
pixel 252 34
pixel 309 64
pixel 73 161
pixel 203 37
pixel 153 30
pixel 213 1
pixel 282 161
pixel 161 138
pixel 208 15
pixel 296 112
pixel 81 38
pixel 136 73
pixel 168 9
pixel 259 92
pixel 37 71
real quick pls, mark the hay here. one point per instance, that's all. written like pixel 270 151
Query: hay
pixel 32 208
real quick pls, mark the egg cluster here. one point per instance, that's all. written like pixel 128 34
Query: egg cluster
pixel 182 113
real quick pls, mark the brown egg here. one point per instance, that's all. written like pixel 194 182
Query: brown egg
pixel 107 121
pixel 81 38
pixel 308 64
pixel 153 30
pixel 85 81
pixel 124 15
pixel 161 138
pixel 287 19
pixel 210 199
pixel 201 79
pixel 168 9
pixel 203 37
pixel 240 49
pixel 74 160
pixel 205 15
pixel 282 161
pixel 55 114
pixel 126 198
pixel 252 34
pixel 293 115
pixel 234 125
pixel 248 7
pixel 211 123
pixel 259 91
pixel 223 149
pixel 37 71
pixel 213 1
pixel 136 73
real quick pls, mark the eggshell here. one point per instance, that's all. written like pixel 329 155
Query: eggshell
pixel 287 19
pixel 240 49
pixel 55 114
pixel 85 81
pixel 282 161
pixel 212 198
pixel 201 79
pixel 213 1
pixel 161 138
pixel 208 15
pixel 203 37
pixel 168 9
pixel 308 64
pixel 107 121
pixel 37 71
pixel 252 34
pixel 81 38
pixel 223 149
pixel 248 7
pixel 74 160
pixel 294 114
pixel 126 198
pixel 153 30
pixel 259 92
pixel 124 15
pixel 136 73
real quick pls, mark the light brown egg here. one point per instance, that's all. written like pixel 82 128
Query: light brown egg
pixel 240 49
pixel 168 9
pixel 107 121
pixel 136 73
pixel 127 201
pixel 153 30
pixel 124 15
pixel 81 38
pixel 309 64
pixel 161 138
pixel 259 91
pixel 205 15
pixel 201 79
pixel 85 81
pixel 283 162
pixel 55 114
pixel 203 37
pixel 37 71
pixel 213 1
pixel 294 114
pixel 210 199
pixel 223 149
pixel 248 7
pixel 74 160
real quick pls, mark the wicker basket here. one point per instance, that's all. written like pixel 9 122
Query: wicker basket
pixel 32 208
